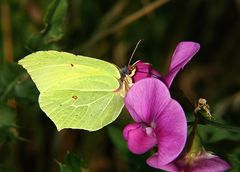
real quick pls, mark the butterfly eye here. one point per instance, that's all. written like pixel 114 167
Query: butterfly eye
pixel 124 71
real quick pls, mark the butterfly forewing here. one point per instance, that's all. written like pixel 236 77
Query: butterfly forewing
pixel 75 91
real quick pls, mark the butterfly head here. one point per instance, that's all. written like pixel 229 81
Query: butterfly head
pixel 133 73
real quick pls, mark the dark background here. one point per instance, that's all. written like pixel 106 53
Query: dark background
pixel 109 30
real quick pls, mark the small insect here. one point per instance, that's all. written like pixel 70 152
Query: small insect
pixel 203 108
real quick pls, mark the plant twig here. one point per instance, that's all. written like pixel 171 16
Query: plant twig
pixel 6 30
pixel 112 15
pixel 125 22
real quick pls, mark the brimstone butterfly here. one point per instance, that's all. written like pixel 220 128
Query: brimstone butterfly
pixel 77 91
pixel 86 93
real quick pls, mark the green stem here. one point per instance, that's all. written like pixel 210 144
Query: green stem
pixel 219 125
pixel 192 135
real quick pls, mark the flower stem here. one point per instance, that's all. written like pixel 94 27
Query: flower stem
pixel 192 134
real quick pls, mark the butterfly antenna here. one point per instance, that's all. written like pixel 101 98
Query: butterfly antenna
pixel 134 52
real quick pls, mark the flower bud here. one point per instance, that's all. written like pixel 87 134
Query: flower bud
pixel 144 70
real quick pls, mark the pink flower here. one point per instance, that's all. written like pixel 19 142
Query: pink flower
pixel 159 122
pixel 202 162
pixel 194 158
pixel 144 70
pixel 181 56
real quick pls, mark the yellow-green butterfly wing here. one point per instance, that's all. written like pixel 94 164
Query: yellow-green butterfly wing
pixel 75 91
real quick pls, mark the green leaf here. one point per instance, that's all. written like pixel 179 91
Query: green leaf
pixel 136 163
pixel 10 73
pixel 7 124
pixel 75 91
pixel 16 83
pixel 72 164
pixel 116 136
pixel 214 123
pixel 234 159
pixel 212 134
pixel 64 168
pixel 53 30
pixel 5 169
pixel 25 91
pixel 7 117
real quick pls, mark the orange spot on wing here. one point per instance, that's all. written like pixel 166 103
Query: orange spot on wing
pixel 75 97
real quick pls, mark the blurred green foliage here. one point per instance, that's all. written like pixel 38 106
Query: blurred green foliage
pixel 28 139
pixel 72 164
pixel 53 27
pixel 8 130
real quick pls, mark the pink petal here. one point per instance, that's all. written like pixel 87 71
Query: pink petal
pixel 205 163
pixel 155 74
pixel 210 164
pixel 171 130
pixel 181 56
pixel 129 128
pixel 146 100
pixel 140 138
pixel 153 162
pixel 144 70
